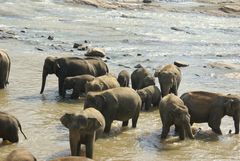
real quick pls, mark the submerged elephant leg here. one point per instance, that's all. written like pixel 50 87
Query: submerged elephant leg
pixel 135 119
pixel 125 123
pixel 90 145
pixel 74 139
pixel 60 86
pixel 181 133
pixel 215 123
pixel 165 131
pixel 108 126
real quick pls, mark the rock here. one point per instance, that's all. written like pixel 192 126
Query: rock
pixel 126 55
pixel 22 31
pixel 86 41
pixel 76 45
pixel 39 49
pixel 147 1
pixel 138 66
pixel 139 54
pixel 50 37
pixel 230 8
pixel 97 52
pixel 82 47
pixel 107 57
pixel 180 64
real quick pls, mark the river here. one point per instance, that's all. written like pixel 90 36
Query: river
pixel 130 37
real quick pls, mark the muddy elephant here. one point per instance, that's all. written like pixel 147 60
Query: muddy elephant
pixel 122 104
pixel 101 83
pixel 141 78
pixel 9 125
pixel 83 129
pixel 4 68
pixel 169 78
pixel 20 155
pixel 211 108
pixel 174 112
pixel 77 83
pixel 71 66
pixel 72 158
pixel 123 78
pixel 150 95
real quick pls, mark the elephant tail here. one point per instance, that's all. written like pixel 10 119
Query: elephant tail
pixel 20 128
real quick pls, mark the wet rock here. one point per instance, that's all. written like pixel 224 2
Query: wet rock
pixel 82 47
pixel 176 29
pixel 230 8
pixel 138 66
pixel 224 65
pixel 147 1
pixel 121 65
pixel 22 31
pixel 180 64
pixel 86 41
pixel 107 57
pixel 76 45
pixel 126 55
pixel 139 54
pixel 218 55
pixel 50 38
pixel 39 49
pixel 197 75
pixel 97 52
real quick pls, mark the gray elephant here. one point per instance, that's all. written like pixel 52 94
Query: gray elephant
pixel 123 78
pixel 77 83
pixel 120 104
pixel 150 95
pixel 83 129
pixel 141 78
pixel 71 66
pixel 101 83
pixel 174 112
pixel 169 78
pixel 211 108
pixel 72 158
pixel 20 155
pixel 9 127
pixel 4 68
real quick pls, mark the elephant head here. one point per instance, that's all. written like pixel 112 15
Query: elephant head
pixel 50 67
pixel 167 82
pixel 148 81
pixel 81 122
pixel 182 118
pixel 144 95
pixel 232 108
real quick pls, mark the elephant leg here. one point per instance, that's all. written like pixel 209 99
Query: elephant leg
pixel 215 125
pixel 148 103
pixel 177 128
pixel 90 145
pixel 60 86
pixel 125 123
pixel 236 123
pixel 75 145
pixel 135 119
pixel 181 133
pixel 165 131
pixel 75 94
pixel 108 126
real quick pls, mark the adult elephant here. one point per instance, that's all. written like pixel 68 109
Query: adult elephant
pixel 83 129
pixel 9 127
pixel 101 83
pixel 5 64
pixel 211 108
pixel 71 66
pixel 20 155
pixel 141 78
pixel 77 83
pixel 174 112
pixel 120 104
pixel 169 78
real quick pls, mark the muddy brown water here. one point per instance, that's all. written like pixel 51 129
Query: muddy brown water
pixel 198 40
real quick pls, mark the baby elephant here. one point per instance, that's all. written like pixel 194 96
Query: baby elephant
pixel 102 83
pixel 150 95
pixel 20 155
pixel 141 78
pixel 120 104
pixel 123 78
pixel 9 127
pixel 174 112
pixel 83 129
pixel 77 83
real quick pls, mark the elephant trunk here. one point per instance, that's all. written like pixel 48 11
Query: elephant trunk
pixel 165 90
pixel 44 77
pixel 188 130
pixel 236 123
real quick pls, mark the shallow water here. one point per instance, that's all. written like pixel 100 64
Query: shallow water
pixel 199 40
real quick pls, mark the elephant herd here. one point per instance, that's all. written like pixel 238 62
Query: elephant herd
pixel 109 98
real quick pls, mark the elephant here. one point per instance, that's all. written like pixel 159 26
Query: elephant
pixel 169 78
pixel 4 68
pixel 150 95
pixel 174 112
pixel 211 108
pixel 72 158
pixel 141 78
pixel 9 125
pixel 71 66
pixel 122 104
pixel 77 83
pixel 83 128
pixel 123 78
pixel 20 155
pixel 102 83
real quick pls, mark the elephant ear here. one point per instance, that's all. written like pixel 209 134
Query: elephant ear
pixel 100 102
pixel 229 108
pixel 67 119
pixel 93 124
